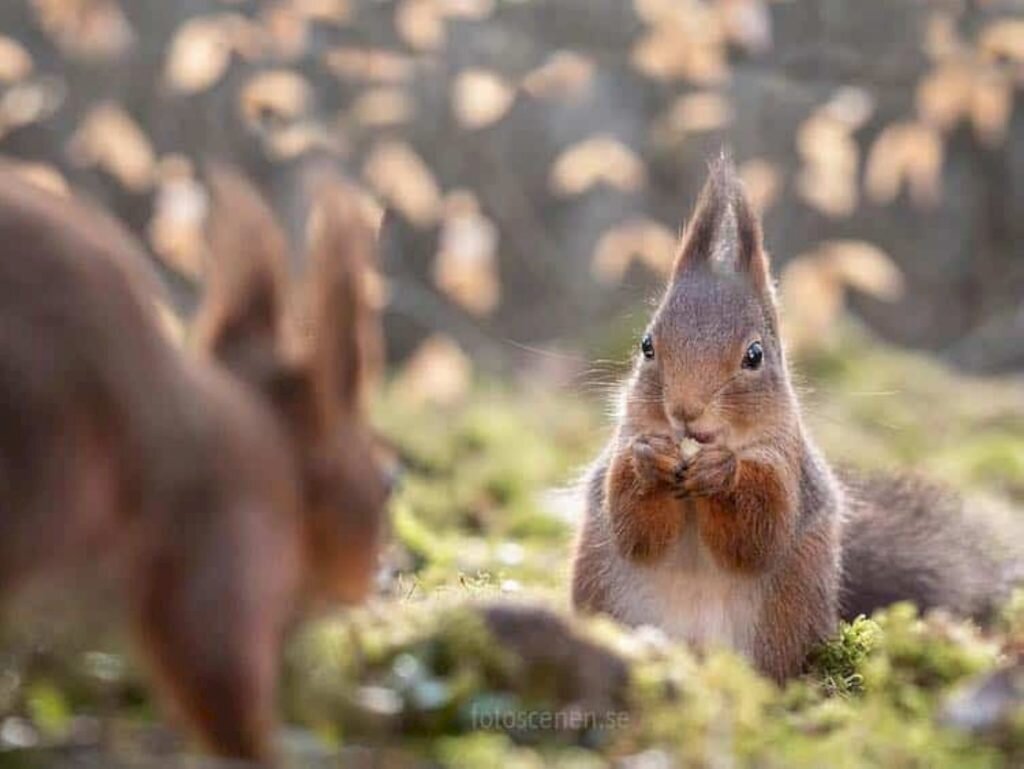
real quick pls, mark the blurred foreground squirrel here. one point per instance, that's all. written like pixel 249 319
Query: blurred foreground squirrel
pixel 711 513
pixel 225 490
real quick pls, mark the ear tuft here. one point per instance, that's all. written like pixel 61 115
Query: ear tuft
pixel 751 256
pixel 244 301
pixel 725 233
pixel 713 205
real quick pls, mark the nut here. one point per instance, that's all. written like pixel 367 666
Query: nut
pixel 688 447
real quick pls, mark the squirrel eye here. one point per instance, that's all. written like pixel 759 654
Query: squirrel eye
pixel 647 346
pixel 753 357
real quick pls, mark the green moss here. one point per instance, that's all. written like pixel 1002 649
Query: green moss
pixel 873 406
pixel 48 708
pixel 923 657
pixel 1011 619
pixel 836 664
pixel 473 499
pixel 417 669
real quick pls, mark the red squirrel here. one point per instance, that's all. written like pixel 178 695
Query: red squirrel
pixel 230 488
pixel 712 514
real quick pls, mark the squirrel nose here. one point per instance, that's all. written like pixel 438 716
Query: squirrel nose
pixel 686 413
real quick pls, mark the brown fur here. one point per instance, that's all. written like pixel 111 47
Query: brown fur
pixel 783 548
pixel 745 486
pixel 759 513
pixel 909 539
pixel 228 489
pixel 743 515
pixel 646 517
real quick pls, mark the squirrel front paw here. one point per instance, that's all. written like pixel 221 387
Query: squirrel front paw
pixel 711 471
pixel 657 462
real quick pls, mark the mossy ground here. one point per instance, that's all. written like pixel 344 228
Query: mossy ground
pixel 478 520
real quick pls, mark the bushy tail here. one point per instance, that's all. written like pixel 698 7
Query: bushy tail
pixel 909 540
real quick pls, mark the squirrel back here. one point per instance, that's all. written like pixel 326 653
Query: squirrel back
pixel 226 489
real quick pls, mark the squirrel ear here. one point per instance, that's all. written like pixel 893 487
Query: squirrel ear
pixel 243 306
pixel 750 256
pixel 348 338
pixel 725 233
pixel 702 230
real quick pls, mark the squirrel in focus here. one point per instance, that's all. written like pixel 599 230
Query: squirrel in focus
pixel 224 491
pixel 712 515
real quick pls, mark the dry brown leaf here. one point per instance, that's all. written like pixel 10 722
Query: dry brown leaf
pixel 863 266
pixel 400 177
pixel 565 74
pixel 437 372
pixel 656 12
pixel 85 29
pixel 274 97
pixel 111 140
pixel 908 153
pixel 295 139
pixel 42 175
pixel 30 101
pixel 827 180
pixel 762 181
pixel 884 174
pixel 665 54
pixel 15 61
pixel 644 240
pixel 944 95
pixel 941 38
pixel 369 64
pixel 1003 40
pixel 476 10
pixel 480 98
pixel 381 107
pixel 746 23
pixel 812 301
pixel 275 103
pixel 337 12
pixel 599 159
pixel 466 265
pixel 685 40
pixel 180 208
pixel 959 90
pixel 814 284
pixel 244 36
pixel 699 112
pixel 991 107
pixel 831 194
pixel 850 106
pixel 286 29
pixel 198 55
pixel 421 24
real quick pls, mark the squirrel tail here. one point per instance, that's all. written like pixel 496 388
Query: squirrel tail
pixel 907 540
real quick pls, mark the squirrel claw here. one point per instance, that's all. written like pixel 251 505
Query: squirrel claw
pixel 713 472
pixel 657 462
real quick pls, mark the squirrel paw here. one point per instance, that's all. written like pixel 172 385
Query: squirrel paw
pixel 657 462
pixel 712 471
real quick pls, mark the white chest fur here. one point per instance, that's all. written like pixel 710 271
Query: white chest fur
pixel 688 596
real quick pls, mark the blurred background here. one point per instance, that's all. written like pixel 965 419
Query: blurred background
pixel 531 163
pixel 539 156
